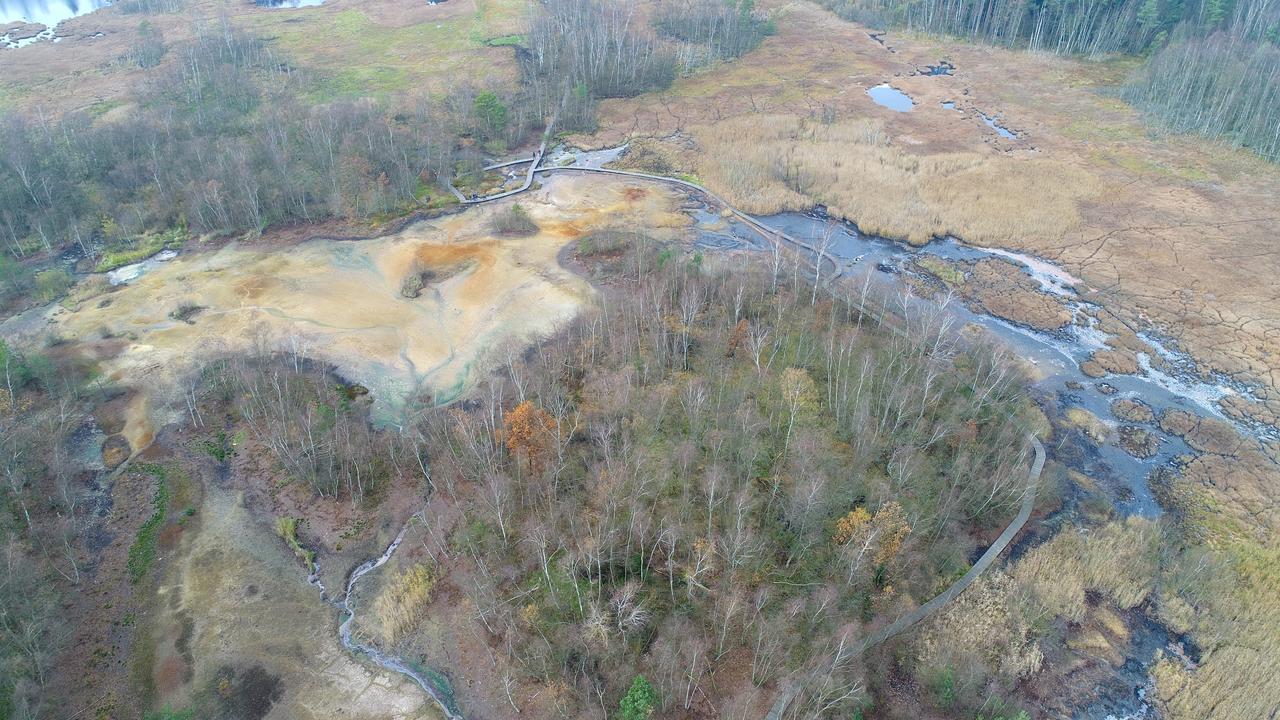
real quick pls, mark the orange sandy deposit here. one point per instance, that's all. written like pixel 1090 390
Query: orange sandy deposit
pixel 340 302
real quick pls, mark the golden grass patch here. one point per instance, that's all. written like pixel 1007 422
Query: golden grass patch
pixel 771 163
pixel 403 602
pixel 1234 614
pixel 1119 561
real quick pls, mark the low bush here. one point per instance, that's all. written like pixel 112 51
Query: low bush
pixel 402 604
pixel 514 220
pixel 287 529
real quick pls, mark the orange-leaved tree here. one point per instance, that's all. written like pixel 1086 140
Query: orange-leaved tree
pixel 528 433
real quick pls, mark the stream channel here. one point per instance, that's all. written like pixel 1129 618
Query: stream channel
pixel 884 265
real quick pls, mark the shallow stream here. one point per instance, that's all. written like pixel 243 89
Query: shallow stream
pixel 434 684
pixel 1166 382
pixel 1057 356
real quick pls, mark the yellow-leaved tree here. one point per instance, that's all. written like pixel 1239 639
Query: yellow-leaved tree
pixel 863 536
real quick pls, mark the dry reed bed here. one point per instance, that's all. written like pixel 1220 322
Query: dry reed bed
pixel 766 164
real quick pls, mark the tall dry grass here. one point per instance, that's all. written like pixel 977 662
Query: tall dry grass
pixel 770 163
pixel 403 602
pixel 1119 560
pixel 1229 601
pixel 985 621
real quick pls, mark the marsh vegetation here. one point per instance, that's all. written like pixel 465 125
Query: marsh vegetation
pixel 1212 67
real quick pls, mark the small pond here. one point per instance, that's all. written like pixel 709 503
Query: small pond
pixel 944 67
pixel 1001 130
pixel 46 12
pixel 891 97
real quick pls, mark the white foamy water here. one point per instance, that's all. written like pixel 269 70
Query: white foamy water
pixel 1052 278
pixel 1204 395
pixel 46 12
pixel 128 273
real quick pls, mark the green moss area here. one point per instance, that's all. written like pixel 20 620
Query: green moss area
pixel 350 54
pixel 944 270
pixel 126 252
pixel 142 553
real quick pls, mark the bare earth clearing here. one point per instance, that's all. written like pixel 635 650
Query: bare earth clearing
pixel 343 302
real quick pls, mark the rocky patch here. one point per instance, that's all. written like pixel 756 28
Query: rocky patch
pixel 1110 362
pixel 1132 410
pixel 998 287
pixel 1138 442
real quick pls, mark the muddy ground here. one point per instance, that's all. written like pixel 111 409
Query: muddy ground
pixel 227 618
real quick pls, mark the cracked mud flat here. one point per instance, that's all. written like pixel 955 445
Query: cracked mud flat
pixel 341 302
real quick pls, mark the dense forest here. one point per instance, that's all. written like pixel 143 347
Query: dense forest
pixel 1226 84
pixel 1214 65
pixel 1071 27
pixel 220 139
pixel 720 463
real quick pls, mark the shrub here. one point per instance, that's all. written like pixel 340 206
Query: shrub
pixel 404 602
pixel 514 220
pixel 287 529
pixel 141 248
pixel 491 114
pixel 186 311
pixel 52 283
pixel 639 702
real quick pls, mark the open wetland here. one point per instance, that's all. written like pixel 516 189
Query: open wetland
pixel 583 359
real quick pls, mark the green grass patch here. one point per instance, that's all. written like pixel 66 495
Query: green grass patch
pixel 217 447
pixel 142 668
pixel 506 40
pixel 350 55
pixel 287 529
pixel 141 248
pixel 438 199
pixel 171 714
pixel 943 270
pixel 357 81
pixel 103 107
pixel 142 554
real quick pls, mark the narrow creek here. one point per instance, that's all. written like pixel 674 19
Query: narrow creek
pixel 433 684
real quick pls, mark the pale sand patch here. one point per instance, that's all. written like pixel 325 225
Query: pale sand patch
pixel 248 604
